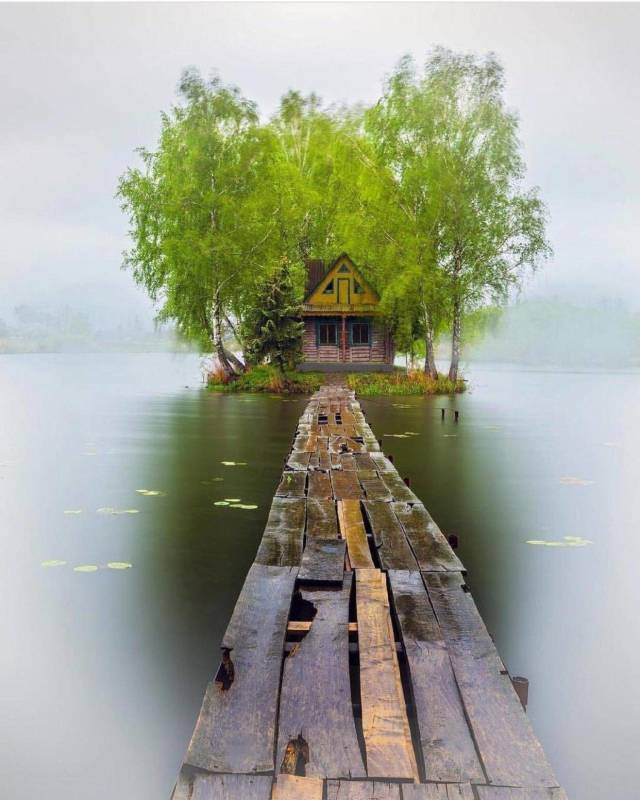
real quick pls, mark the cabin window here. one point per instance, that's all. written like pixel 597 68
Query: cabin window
pixel 327 333
pixel 360 333
pixel 328 289
pixel 344 268
pixel 357 289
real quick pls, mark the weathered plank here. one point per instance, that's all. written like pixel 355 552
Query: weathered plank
pixel 235 731
pixel 320 484
pixel 431 549
pixel 321 518
pixel 292 787
pixel 508 793
pixel 438 791
pixel 298 461
pixel 398 488
pixel 388 534
pixel 448 749
pixel 352 529
pixel 382 463
pixel 322 561
pixel 384 716
pixel 364 461
pixel 315 701
pixel 375 489
pixel 231 787
pixel 306 442
pixel 320 460
pixel 510 752
pixel 344 460
pixel 281 543
pixel 362 790
pixel 345 484
pixel 292 484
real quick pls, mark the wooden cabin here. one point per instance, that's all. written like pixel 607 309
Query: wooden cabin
pixel 343 328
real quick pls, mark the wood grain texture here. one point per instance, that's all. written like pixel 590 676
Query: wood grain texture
pixel 292 484
pixel 393 547
pixel 292 787
pixel 398 488
pixel 346 485
pixel 231 787
pixel 298 461
pixel 322 520
pixel 431 549
pixel 362 790
pixel 364 461
pixel 447 746
pixel 510 752
pixel 382 463
pixel 352 529
pixel 507 793
pixel 282 539
pixel 374 487
pixel 322 561
pixel 235 731
pixel 345 460
pixel 384 716
pixel 315 701
pixel 438 791
pixel 320 485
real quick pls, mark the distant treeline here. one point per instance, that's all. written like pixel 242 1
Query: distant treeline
pixel 425 189
pixel 552 333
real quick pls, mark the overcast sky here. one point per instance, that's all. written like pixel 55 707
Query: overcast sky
pixel 82 85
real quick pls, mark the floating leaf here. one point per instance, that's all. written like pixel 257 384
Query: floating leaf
pixel 571 481
pixel 221 503
pixel 412 433
pixel 54 562
pixel 247 506
pixel 109 510
pixel 73 511
pixel 449 435
pixel 86 568
pixel 119 565
pixel 396 435
pixel 566 541
pixel 232 499
pixel 151 492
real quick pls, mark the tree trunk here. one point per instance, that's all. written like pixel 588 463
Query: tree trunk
pixel 235 362
pixel 430 358
pixel 455 340
pixel 217 341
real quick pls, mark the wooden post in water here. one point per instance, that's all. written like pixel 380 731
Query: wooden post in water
pixel 442 414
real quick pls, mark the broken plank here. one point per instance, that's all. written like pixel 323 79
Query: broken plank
pixel 321 518
pixel 320 484
pixel 352 529
pixel 235 731
pixel 344 460
pixel 438 791
pixel 303 626
pixel 345 485
pixel 231 787
pixel 362 790
pixel 292 787
pixel 322 561
pixel 385 725
pixel 508 793
pixel 510 752
pixel 388 534
pixel 281 543
pixel 316 714
pixel 446 742
pixel 398 488
pixel 292 484
pixel 432 551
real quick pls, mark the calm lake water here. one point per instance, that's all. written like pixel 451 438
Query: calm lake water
pixel 102 672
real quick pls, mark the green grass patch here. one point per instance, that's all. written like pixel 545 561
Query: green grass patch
pixel 268 379
pixel 400 382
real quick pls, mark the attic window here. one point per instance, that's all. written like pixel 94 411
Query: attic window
pixel 357 289
pixel 328 289
pixel 344 268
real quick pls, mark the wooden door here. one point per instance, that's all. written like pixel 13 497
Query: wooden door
pixel 343 291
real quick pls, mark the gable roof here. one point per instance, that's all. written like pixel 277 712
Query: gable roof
pixel 332 270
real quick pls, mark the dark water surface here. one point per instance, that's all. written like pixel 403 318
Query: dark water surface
pixel 102 672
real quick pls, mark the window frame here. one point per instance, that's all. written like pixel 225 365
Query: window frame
pixel 361 323
pixel 326 323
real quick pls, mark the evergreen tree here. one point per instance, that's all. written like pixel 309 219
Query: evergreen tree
pixel 272 329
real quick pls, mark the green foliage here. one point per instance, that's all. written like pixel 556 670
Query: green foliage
pixel 414 382
pixel 268 379
pixel 272 328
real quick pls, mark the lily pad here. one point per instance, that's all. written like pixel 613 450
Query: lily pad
pixel 569 480
pixel 246 506
pixel 234 463
pixel 151 492
pixel 53 562
pixel 119 565
pixel 232 499
pixel 566 541
pixel 72 511
pixel 221 503
pixel 86 568
pixel 109 510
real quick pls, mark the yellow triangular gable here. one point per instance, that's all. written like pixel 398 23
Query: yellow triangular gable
pixel 342 285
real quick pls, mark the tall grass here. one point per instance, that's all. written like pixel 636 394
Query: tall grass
pixel 400 382
pixel 266 379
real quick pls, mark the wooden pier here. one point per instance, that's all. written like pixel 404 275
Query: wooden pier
pixel 356 665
